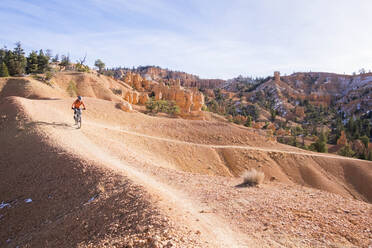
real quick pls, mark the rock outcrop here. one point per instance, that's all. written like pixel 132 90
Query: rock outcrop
pixel 135 98
pixel 125 106
pixel 190 101
pixel 165 75
pixel 277 76
pixel 143 98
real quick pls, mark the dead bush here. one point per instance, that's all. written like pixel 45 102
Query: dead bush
pixel 253 177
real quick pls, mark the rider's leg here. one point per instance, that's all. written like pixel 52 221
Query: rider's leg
pixel 78 117
pixel 78 114
pixel 75 116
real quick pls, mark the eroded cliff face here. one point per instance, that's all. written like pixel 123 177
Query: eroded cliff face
pixel 190 101
pixel 167 76
pixel 350 94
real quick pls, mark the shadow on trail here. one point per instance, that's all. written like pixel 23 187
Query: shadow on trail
pixel 245 185
pixel 36 97
pixel 60 125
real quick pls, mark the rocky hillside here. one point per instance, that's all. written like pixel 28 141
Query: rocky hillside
pixel 164 75
pixel 349 94
pixel 303 105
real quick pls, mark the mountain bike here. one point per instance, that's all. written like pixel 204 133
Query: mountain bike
pixel 77 117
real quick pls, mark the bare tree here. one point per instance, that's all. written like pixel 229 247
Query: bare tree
pixel 82 60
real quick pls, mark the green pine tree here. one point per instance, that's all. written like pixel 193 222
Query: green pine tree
pixel 273 114
pixel 20 59
pixel 15 60
pixel 4 70
pixel 346 151
pixel 10 62
pixel 42 62
pixel 65 60
pixel 248 122
pixel 369 157
pixel 32 63
pixel 3 54
pixel 321 144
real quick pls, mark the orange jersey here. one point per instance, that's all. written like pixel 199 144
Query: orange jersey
pixel 77 104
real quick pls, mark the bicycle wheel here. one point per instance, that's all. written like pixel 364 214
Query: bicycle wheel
pixel 79 122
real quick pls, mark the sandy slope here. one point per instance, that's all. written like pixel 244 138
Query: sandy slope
pixel 142 170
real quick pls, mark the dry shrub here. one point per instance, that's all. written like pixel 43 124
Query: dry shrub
pixel 253 177
pixel 117 91
pixel 101 188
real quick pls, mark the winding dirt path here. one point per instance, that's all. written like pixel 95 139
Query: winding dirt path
pixel 214 231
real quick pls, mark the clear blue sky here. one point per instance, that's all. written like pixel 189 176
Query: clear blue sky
pixel 213 39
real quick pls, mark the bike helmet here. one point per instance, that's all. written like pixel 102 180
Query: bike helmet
pixel 79 97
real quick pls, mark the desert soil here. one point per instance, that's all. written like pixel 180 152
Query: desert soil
pixel 132 180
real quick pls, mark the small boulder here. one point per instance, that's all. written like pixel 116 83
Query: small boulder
pixel 125 106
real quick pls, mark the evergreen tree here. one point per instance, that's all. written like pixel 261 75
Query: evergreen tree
pixel 365 141
pixel 10 62
pixel 49 54
pixel 99 64
pixel 346 151
pixel 20 59
pixel 42 62
pixel 32 63
pixel 248 123
pixel 2 54
pixel 369 157
pixel 3 70
pixel 273 113
pixel 65 60
pixel 321 144
pixel 15 60
pixel 56 58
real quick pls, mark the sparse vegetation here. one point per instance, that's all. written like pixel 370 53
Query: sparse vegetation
pixel 82 68
pixel 71 89
pixel 321 144
pixel 248 123
pixel 117 91
pixel 65 60
pixel 253 177
pixel 45 78
pixel 163 106
pixel 100 65
pixel 49 75
pixel 346 151
pixel 3 70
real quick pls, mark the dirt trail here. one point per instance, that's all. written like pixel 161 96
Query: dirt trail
pixel 212 207
pixel 214 231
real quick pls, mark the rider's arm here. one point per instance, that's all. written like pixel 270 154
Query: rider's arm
pixel 82 103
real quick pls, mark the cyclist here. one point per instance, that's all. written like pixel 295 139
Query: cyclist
pixel 76 107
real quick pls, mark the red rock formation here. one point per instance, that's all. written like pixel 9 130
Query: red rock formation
pixel 342 141
pixel 190 101
pixel 143 98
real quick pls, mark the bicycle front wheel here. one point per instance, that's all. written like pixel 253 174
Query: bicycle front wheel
pixel 79 122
